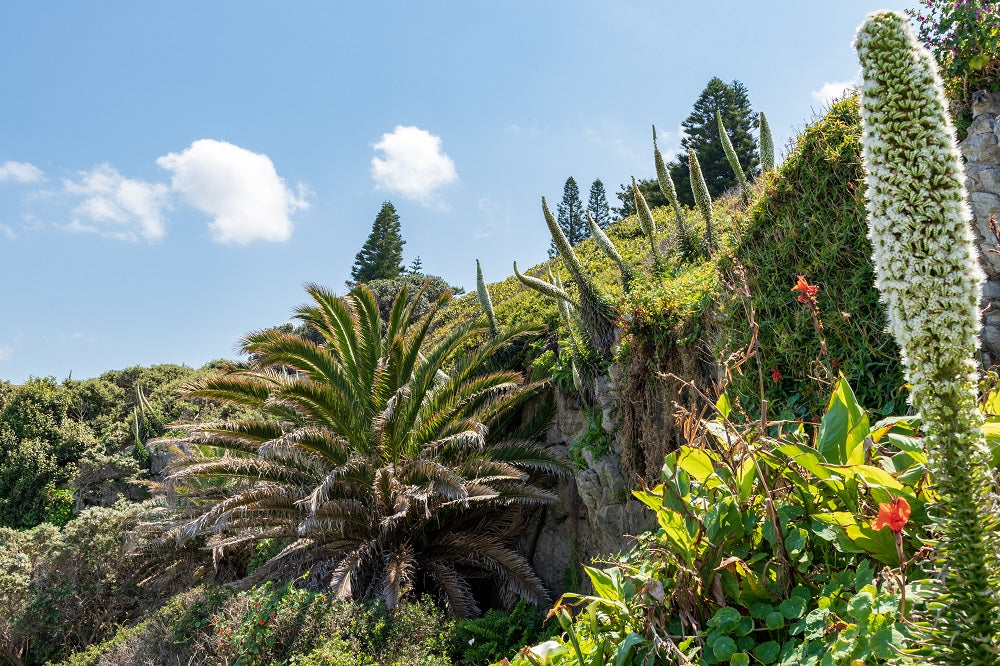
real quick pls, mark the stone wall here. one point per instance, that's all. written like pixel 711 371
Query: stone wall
pixel 981 149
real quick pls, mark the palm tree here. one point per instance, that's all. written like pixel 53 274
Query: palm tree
pixel 384 474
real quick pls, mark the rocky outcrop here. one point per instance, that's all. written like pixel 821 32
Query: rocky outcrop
pixel 596 514
pixel 981 149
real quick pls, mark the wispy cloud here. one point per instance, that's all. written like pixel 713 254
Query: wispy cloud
pixel 491 212
pixel 5 352
pixel 239 189
pixel 831 90
pixel 20 172
pixel 413 164
pixel 116 206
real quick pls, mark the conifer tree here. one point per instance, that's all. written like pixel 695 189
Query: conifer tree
pixel 732 103
pixel 597 205
pixel 571 216
pixel 416 266
pixel 381 256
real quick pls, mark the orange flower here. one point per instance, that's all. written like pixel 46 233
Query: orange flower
pixel 894 515
pixel 775 375
pixel 807 291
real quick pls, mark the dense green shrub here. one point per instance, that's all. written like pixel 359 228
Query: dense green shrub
pixel 66 588
pixel 809 219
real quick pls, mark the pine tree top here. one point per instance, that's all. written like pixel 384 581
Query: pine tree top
pixel 381 257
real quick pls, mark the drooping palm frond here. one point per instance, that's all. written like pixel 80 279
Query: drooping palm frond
pixel 377 456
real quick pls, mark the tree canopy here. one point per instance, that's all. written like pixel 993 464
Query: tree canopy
pixel 571 215
pixel 597 204
pixel 381 257
pixel 701 130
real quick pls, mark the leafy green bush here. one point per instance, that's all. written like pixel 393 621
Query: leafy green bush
pixel 765 551
pixel 65 588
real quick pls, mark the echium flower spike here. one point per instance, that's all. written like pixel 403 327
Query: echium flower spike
pixel 727 147
pixel 595 307
pixel 702 199
pixel 608 246
pixel 580 345
pixel 766 145
pixel 485 300
pixel 646 221
pixel 669 191
pixel 543 287
pixel 927 271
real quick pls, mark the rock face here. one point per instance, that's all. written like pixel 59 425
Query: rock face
pixel 596 514
pixel 981 149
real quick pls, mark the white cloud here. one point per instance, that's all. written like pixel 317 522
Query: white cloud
pixel 7 232
pixel 240 189
pixel 20 172
pixel 5 352
pixel 412 164
pixel 116 206
pixel 831 90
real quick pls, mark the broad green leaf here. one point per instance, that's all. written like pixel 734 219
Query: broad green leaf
pixel 724 648
pixel 990 405
pixel 860 605
pixel 774 620
pixel 808 458
pixel 992 431
pixel 722 404
pixel 626 649
pixel 816 623
pixel 793 608
pixel 699 463
pixel 748 474
pixel 844 427
pixel 607 584
pixel 652 498
pixel 886 641
pixel 767 653
pixel 725 620
pixel 740 659
pixel 871 475
pixel 676 531
pixel 760 611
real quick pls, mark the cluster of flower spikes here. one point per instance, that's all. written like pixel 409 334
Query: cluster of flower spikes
pixel 928 275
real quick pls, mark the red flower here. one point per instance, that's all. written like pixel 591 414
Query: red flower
pixel 775 375
pixel 807 291
pixel 894 515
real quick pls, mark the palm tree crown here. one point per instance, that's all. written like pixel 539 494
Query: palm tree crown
pixel 383 473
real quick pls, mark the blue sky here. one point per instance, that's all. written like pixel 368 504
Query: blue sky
pixel 172 173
